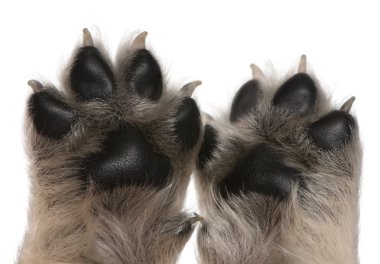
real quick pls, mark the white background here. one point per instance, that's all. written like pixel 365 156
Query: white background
pixel 213 41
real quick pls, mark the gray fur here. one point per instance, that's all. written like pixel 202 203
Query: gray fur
pixel 70 222
pixel 314 226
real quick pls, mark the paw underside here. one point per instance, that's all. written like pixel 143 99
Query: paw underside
pixel 292 121
pixel 142 134
pixel 130 152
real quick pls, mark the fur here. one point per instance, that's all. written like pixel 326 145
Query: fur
pixel 317 224
pixel 71 221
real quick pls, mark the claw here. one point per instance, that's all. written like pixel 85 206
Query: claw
pixel 35 85
pixel 257 73
pixel 190 87
pixel 187 227
pixel 346 107
pixel 302 65
pixel 139 41
pixel 196 218
pixel 87 38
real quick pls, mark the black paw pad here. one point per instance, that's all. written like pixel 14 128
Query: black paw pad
pixel 51 117
pixel 208 146
pixel 245 100
pixel 298 94
pixel 187 123
pixel 333 130
pixel 260 170
pixel 144 76
pixel 127 159
pixel 91 77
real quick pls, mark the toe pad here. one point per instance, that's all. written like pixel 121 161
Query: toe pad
pixel 298 94
pixel 91 77
pixel 51 117
pixel 333 130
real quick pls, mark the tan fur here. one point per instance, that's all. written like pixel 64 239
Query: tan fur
pixel 70 222
pixel 314 226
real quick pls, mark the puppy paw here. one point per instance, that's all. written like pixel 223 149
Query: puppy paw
pixel 278 176
pixel 111 155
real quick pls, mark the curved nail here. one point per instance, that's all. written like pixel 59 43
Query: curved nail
pixel 346 107
pixel 139 41
pixel 35 85
pixel 302 65
pixel 189 88
pixel 87 38
pixel 257 73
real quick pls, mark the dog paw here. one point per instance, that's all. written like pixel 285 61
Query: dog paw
pixel 111 155
pixel 278 176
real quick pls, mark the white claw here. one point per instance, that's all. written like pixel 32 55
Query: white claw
pixel 346 107
pixel 87 38
pixel 190 87
pixel 257 73
pixel 35 85
pixel 302 65
pixel 139 41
